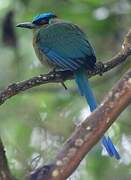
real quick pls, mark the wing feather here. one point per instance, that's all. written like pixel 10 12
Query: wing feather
pixel 67 46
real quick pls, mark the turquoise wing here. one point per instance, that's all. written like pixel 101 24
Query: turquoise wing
pixel 66 46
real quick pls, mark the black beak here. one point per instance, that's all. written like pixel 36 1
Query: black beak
pixel 27 25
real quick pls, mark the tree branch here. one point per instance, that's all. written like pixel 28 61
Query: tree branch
pixel 53 77
pixel 87 134
pixel 90 131
pixel 93 128
pixel 5 173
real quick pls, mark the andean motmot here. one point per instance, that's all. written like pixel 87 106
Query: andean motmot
pixel 64 46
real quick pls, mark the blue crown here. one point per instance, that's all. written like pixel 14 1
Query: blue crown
pixel 43 16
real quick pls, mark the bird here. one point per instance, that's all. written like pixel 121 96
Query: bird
pixel 62 45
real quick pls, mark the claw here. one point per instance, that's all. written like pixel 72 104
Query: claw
pixel 62 83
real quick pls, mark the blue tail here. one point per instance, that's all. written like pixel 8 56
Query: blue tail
pixel 85 90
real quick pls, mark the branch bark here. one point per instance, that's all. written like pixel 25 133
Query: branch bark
pixel 87 134
pixel 60 76
pixel 90 131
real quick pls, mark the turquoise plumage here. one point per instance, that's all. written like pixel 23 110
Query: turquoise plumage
pixel 64 46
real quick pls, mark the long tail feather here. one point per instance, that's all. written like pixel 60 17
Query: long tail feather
pixel 85 90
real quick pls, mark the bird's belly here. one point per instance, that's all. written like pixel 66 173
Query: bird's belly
pixel 43 58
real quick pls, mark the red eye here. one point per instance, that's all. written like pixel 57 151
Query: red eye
pixel 43 22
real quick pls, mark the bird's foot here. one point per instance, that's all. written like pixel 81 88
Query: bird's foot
pixel 100 67
pixel 63 84
pixel 55 70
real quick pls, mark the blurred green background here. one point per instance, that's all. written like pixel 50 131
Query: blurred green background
pixel 35 123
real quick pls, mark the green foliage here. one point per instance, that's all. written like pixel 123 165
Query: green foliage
pixel 36 122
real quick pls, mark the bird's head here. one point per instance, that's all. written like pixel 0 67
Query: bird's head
pixel 38 21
